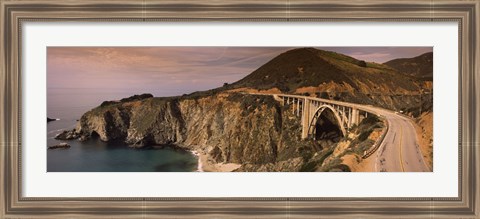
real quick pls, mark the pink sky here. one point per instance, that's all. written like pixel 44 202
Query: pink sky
pixel 168 71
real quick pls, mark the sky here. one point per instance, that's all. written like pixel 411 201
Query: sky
pixel 170 71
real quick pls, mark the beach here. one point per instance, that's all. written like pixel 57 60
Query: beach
pixel 205 164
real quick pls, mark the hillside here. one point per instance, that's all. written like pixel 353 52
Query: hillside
pixel 420 67
pixel 306 67
pixel 325 74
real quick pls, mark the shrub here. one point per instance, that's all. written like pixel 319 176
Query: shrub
pixel 362 63
pixel 107 103
pixel 136 97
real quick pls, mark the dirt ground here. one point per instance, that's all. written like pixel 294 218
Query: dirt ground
pixel 424 128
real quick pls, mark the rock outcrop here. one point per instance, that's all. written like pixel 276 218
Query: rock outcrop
pixel 67 135
pixel 229 127
pixel 61 145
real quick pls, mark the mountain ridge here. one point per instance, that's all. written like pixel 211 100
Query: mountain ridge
pixel 420 66
pixel 331 75
pixel 305 67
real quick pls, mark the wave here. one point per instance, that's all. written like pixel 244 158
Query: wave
pixel 53 131
pixel 199 165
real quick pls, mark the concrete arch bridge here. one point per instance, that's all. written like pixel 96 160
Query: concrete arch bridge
pixel 310 109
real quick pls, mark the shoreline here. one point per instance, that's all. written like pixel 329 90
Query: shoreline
pixel 199 162
pixel 205 164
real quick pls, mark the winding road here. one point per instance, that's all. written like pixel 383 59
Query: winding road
pixel 399 151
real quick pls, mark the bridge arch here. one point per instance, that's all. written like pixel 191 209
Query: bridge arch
pixel 318 112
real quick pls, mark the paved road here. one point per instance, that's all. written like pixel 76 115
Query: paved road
pixel 399 151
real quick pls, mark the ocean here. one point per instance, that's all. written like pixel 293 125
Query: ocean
pixel 93 155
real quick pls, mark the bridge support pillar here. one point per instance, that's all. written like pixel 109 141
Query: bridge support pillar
pixel 298 107
pixel 306 117
pixel 355 117
pixel 293 106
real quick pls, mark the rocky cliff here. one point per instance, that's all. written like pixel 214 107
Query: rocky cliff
pixel 231 128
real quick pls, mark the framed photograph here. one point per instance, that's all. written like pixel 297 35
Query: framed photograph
pixel 239 109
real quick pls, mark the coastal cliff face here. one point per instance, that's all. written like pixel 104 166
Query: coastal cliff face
pixel 228 127
pixel 254 131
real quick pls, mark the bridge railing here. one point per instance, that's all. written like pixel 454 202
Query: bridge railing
pixel 334 102
pixel 340 103
pixel 295 102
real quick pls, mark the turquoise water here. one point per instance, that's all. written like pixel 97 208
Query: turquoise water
pixel 96 156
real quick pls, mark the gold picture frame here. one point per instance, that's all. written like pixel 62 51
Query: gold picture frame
pixel 14 13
